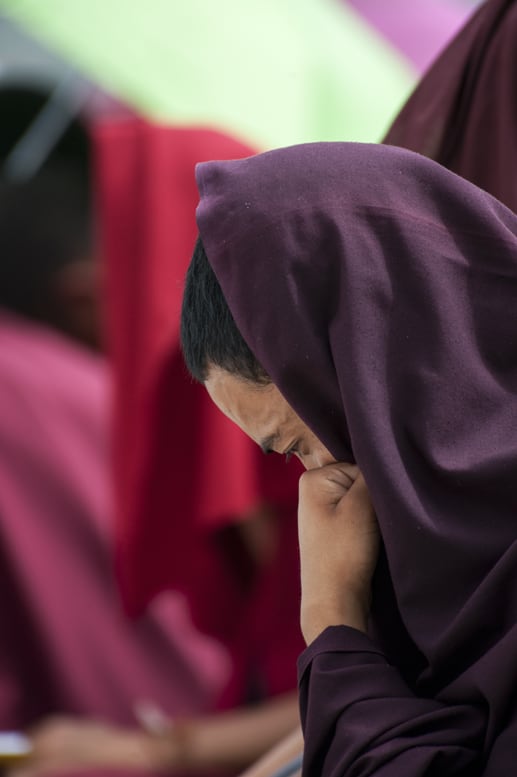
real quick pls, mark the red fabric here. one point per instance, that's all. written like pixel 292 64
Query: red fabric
pixel 182 470
pixel 255 612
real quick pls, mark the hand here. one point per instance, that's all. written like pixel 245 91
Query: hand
pixel 339 546
pixel 279 757
pixel 64 744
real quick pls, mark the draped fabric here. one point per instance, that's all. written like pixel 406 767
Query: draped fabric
pixel 463 113
pixel 184 475
pixel 378 290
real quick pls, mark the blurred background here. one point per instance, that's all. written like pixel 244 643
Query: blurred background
pixel 269 73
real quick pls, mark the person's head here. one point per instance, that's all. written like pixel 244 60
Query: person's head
pixel 47 269
pixel 217 355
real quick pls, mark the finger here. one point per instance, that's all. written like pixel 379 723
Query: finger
pixel 325 485
pixel 342 474
pixel 337 472
pixel 359 492
pixel 151 717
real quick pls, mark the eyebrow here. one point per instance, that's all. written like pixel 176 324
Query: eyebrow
pixel 267 444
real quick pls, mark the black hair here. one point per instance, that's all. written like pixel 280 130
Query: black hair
pixel 209 334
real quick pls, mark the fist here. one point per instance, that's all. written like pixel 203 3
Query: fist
pixel 339 547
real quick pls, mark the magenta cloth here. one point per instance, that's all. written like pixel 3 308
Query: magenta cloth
pixel 418 28
pixel 379 292
pixel 463 113
pixel 66 646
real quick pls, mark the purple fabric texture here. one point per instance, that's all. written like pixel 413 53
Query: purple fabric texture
pixel 378 290
pixel 463 113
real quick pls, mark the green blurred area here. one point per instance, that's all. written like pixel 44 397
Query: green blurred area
pixel 271 72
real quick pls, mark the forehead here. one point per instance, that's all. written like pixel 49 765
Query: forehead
pixel 260 411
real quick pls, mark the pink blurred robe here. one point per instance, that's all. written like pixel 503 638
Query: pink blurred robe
pixel 64 644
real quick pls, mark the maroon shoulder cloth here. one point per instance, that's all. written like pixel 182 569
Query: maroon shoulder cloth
pixel 378 290
pixel 463 113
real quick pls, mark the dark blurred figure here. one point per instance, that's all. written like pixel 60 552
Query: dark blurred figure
pixel 48 271
pixel 65 646
pixel 21 106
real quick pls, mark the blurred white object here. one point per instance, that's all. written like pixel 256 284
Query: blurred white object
pixel 14 744
pixel 151 717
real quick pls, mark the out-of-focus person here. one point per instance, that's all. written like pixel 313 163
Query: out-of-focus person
pixel 65 645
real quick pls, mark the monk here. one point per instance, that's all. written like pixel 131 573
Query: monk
pixel 353 305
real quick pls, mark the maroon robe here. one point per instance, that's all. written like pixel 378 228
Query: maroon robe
pixel 378 291
pixel 463 113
